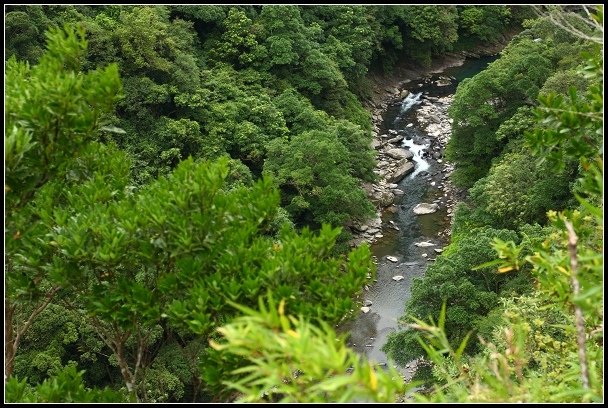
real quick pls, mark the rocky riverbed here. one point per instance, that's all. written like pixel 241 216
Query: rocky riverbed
pixel 394 162
pixel 414 200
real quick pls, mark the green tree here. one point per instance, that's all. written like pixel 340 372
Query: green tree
pixel 66 386
pixel 53 114
pixel 292 360
pixel 470 294
pixel 314 172
pixel 484 22
pixel 485 101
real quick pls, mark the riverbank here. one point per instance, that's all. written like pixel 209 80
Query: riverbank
pixel 414 199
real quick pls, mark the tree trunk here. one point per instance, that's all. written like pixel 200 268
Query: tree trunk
pixel 126 371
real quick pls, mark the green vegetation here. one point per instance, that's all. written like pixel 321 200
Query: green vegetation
pixel 170 168
pixel 533 321
pixel 139 277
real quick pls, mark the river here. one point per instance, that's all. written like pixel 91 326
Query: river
pixel 368 331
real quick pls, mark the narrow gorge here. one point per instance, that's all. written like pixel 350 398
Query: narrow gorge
pixel 411 130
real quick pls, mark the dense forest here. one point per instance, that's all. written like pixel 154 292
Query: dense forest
pixel 181 184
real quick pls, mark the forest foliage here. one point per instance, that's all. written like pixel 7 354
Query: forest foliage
pixel 171 168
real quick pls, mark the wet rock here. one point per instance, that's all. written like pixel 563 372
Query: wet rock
pixel 392 132
pixel 393 209
pixel 401 172
pixel 361 228
pixel 383 198
pixel 398 154
pixel 424 255
pixel 424 208
pixel 392 258
pixel 367 303
pixel 404 93
pixel 396 139
pixel 438 250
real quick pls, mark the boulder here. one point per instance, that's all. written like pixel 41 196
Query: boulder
pixel 397 153
pixel 375 144
pixel 383 198
pixel 361 228
pixel 438 250
pixel 424 208
pixel 395 139
pixel 391 258
pixel 398 278
pixel 393 209
pixel 424 244
pixel 404 93
pixel 365 309
pixel 401 171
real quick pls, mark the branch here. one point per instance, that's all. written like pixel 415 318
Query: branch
pixel 578 313
pixel 39 309
pixel 559 20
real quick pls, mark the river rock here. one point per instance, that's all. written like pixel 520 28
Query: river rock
pixel 365 309
pixel 404 93
pixel 398 154
pixel 391 258
pixel 402 171
pixel 375 144
pixel 438 250
pixel 395 139
pixel 383 198
pixel 398 278
pixel 392 132
pixel 393 208
pixel 424 255
pixel 361 228
pixel 424 244
pixel 367 303
pixel 424 208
